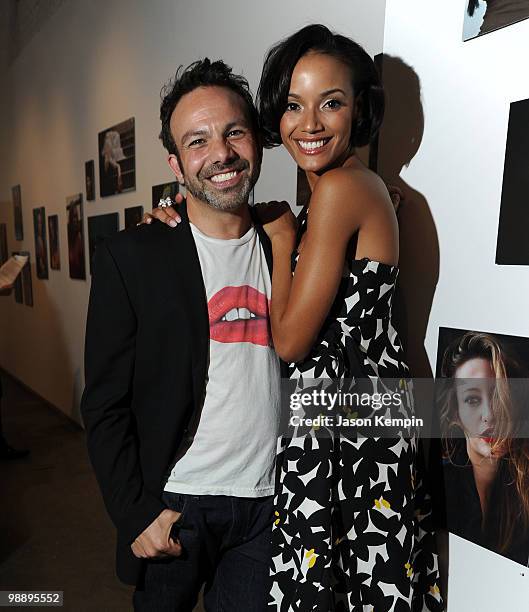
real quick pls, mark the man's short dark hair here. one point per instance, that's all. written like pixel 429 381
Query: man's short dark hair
pixel 203 73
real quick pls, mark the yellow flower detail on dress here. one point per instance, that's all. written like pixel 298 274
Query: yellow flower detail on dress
pixel 316 427
pixel 434 590
pixel 311 556
pixel 277 521
pixel 409 569
pixel 382 503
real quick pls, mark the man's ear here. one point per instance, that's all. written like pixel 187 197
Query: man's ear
pixel 174 164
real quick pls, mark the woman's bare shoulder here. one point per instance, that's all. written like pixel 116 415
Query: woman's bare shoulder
pixel 351 187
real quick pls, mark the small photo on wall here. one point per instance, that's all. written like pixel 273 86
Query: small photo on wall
pixel 303 192
pixel 99 227
pixel 17 286
pixel 53 231
pixel 512 247
pixel 165 190
pixel 482 402
pixel 133 216
pixel 76 249
pixel 117 159
pixel 90 180
pixel 3 243
pixel 484 16
pixel 41 248
pixel 27 285
pixel 17 206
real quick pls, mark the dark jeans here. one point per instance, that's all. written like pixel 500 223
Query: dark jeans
pixel 225 546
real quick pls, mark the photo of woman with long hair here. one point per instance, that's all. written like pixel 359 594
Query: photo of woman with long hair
pixel 486 467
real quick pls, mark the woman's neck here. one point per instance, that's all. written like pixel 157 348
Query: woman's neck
pixel 484 470
pixel 348 162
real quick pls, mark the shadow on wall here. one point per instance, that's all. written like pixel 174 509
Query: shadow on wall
pixel 399 140
pixel 37 343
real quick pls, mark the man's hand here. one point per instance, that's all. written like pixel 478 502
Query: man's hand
pixel 165 214
pixel 278 219
pixel 155 541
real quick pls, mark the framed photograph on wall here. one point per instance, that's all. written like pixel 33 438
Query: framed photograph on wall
pixel 27 285
pixel 133 216
pixel 41 248
pixel 18 292
pixel 3 243
pixel 76 249
pixel 53 234
pixel 99 227
pixel 17 207
pixel 481 399
pixel 484 16
pixel 117 159
pixel 90 180
pixel 165 190
pixel 512 247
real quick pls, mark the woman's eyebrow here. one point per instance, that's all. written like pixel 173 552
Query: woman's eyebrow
pixel 327 92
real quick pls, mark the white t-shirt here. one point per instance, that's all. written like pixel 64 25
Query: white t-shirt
pixel 231 450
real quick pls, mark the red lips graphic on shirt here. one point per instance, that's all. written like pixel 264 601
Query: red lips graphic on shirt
pixel 255 330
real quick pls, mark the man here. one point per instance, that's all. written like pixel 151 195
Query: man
pixel 182 384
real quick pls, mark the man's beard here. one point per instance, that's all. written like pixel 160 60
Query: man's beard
pixel 223 199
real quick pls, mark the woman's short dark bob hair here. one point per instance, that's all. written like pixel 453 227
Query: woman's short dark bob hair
pixel 272 95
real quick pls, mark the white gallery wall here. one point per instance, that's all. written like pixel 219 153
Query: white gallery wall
pixel 92 65
pixel 453 182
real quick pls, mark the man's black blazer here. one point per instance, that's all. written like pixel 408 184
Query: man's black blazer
pixel 146 352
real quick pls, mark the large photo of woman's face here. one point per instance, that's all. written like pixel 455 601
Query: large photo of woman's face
pixel 482 401
pixel 484 16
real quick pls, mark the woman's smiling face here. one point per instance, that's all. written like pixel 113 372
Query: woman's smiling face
pixel 316 125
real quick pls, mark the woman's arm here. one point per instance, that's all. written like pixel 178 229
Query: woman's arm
pixel 339 205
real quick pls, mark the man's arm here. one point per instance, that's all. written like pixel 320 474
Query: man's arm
pixel 106 404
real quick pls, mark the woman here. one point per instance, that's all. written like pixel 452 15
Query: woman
pixel 347 534
pixel 486 467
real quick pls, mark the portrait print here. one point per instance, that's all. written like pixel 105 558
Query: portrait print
pixel 27 285
pixel 482 406
pixel 117 159
pixel 484 16
pixel 165 190
pixel 17 207
pixel 512 247
pixel 53 231
pixel 89 177
pixel 76 249
pixel 41 248
pixel 3 243
pixel 133 216
pixel 18 291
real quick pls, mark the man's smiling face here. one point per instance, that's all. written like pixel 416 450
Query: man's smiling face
pixel 219 157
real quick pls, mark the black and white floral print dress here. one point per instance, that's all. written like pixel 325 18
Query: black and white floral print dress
pixel 352 521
